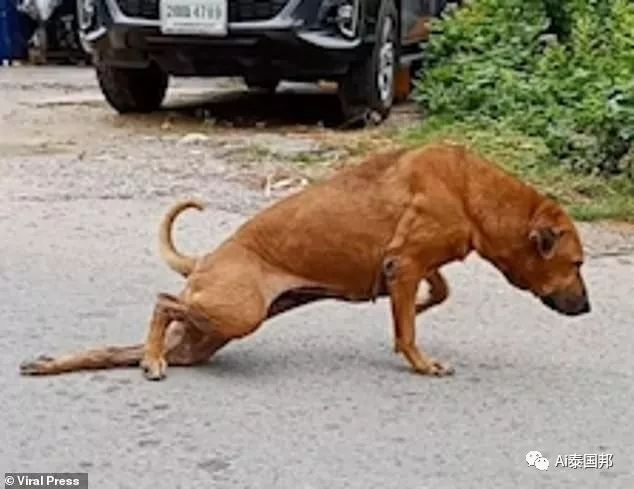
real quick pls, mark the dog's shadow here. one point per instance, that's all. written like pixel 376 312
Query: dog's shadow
pixel 235 364
pixel 269 362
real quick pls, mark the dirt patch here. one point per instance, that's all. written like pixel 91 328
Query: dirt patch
pixel 268 138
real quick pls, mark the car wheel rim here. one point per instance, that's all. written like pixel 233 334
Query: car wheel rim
pixel 385 74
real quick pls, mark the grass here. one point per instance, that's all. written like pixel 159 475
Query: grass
pixel 587 197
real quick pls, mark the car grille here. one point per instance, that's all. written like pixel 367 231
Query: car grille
pixel 145 9
pixel 239 10
pixel 249 10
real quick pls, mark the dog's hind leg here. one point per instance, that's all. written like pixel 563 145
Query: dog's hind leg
pixel 221 311
pixel 187 345
pixel 94 358
pixel 166 310
pixel 180 342
pixel 184 344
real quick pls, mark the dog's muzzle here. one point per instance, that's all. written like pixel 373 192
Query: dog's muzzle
pixel 566 304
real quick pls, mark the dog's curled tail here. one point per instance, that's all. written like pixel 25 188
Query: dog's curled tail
pixel 175 260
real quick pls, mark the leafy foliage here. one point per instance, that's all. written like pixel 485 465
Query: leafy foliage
pixel 561 71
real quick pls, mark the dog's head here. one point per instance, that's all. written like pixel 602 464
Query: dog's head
pixel 550 262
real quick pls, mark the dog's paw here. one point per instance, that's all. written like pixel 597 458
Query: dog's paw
pixel 41 365
pixel 437 369
pixel 154 368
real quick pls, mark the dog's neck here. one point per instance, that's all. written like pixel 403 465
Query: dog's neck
pixel 499 214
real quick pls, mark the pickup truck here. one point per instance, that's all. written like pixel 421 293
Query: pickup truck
pixel 362 45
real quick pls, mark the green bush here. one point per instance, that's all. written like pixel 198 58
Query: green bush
pixel 558 70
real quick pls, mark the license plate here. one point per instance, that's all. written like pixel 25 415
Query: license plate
pixel 196 17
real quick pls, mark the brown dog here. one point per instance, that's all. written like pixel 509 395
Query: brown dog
pixel 377 229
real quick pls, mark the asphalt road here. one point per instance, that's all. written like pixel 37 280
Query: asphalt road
pixel 316 399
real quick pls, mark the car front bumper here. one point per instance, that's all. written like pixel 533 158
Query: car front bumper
pixel 289 45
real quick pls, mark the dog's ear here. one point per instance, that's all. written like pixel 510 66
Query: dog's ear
pixel 546 228
pixel 545 240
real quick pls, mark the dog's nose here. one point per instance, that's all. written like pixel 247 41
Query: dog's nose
pixel 567 305
pixel 581 307
pixel 586 307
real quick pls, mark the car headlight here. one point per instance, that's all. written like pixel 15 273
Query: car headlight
pixel 343 15
pixel 85 14
pixel 348 18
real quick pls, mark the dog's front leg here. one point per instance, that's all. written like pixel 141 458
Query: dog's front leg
pixel 402 286
pixel 438 293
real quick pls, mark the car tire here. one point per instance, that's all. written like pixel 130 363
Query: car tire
pixel 366 92
pixel 130 90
